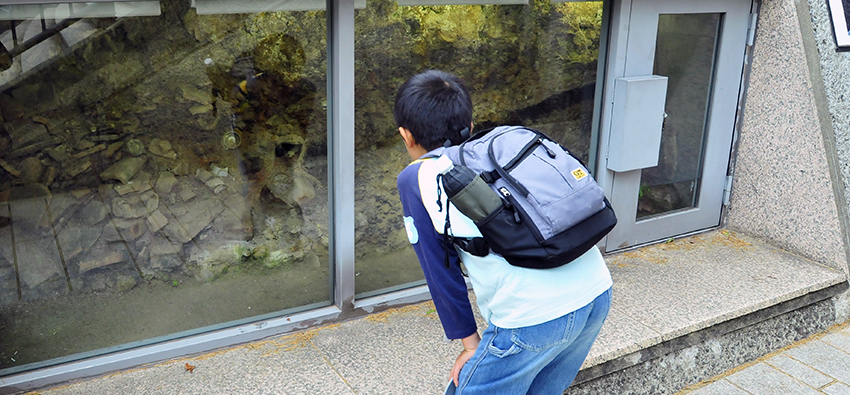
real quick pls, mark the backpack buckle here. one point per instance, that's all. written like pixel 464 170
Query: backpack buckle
pixel 476 246
pixel 490 176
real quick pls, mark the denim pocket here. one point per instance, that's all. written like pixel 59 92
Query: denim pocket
pixel 502 345
pixel 546 335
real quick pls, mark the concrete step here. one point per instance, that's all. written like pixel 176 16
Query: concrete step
pixel 690 309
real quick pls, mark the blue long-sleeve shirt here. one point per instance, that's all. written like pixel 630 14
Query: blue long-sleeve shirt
pixel 447 286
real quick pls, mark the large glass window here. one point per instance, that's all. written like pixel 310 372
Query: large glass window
pixel 532 63
pixel 163 170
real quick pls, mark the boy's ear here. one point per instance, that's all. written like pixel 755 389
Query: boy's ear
pixel 409 141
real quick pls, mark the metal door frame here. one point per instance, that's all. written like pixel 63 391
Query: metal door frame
pixel 617 67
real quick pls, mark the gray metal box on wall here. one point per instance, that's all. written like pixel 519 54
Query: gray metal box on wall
pixel 637 119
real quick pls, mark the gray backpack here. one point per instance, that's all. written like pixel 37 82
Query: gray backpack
pixel 533 202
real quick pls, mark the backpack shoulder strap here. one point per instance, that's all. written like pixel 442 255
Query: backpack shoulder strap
pixel 474 137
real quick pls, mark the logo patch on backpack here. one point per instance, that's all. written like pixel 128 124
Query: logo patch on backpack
pixel 579 174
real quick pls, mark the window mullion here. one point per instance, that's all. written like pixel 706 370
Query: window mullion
pixel 341 146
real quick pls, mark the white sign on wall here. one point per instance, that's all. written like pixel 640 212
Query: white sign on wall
pixel 840 12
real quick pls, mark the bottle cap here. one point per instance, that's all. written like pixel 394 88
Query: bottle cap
pixel 444 164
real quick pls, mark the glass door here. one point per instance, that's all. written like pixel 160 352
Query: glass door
pixel 698 47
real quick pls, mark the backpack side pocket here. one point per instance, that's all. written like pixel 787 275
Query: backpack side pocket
pixel 511 234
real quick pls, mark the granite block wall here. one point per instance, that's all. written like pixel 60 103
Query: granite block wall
pixel 833 68
pixel 783 181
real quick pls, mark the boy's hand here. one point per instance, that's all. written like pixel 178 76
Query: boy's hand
pixel 470 343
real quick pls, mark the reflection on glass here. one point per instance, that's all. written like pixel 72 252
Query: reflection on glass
pixel 685 53
pixel 158 174
pixel 532 64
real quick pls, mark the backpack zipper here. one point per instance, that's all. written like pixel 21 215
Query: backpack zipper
pixel 523 153
pixel 527 150
pixel 520 214
pixel 508 202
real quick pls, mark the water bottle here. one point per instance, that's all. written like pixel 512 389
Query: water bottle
pixel 469 193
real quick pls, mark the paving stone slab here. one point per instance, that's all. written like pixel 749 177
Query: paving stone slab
pixel 799 371
pixel 839 340
pixel 825 358
pixel 836 389
pixel 761 379
pixel 721 387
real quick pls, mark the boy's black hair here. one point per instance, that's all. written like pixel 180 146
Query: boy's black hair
pixel 434 106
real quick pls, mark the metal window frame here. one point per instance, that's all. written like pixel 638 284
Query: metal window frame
pixel 341 180
pixel 340 31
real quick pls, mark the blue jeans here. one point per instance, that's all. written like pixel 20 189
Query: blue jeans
pixel 538 359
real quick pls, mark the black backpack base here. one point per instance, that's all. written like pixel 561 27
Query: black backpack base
pixel 527 249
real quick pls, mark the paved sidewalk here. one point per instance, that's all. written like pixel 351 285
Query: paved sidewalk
pixel 697 283
pixel 406 356
pixel 817 365
pixel 399 351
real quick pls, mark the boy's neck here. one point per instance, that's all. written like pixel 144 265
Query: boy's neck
pixel 417 151
pixel 414 149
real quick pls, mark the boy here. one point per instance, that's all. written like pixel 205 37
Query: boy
pixel 541 322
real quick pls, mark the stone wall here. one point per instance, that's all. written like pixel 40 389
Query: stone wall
pixel 833 68
pixel 783 190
